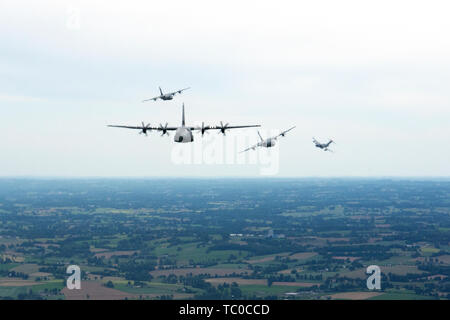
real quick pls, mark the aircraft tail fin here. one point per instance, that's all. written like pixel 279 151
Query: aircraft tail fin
pixel 182 119
pixel 161 91
pixel 260 136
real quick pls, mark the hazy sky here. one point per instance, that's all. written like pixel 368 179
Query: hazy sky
pixel 372 75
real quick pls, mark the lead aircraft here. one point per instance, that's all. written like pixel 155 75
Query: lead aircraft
pixel 183 133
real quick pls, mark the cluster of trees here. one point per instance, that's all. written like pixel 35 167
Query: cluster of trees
pixel 342 284
pixel 365 251
pixel 259 246
pixel 58 271
pixel 137 270
pixel 13 274
pixel 29 295
pixel 221 292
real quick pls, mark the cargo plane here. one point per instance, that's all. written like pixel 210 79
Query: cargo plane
pixel 183 133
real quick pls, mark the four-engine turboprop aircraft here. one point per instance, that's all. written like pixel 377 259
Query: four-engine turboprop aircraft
pixel 323 146
pixel 165 96
pixel 269 142
pixel 183 133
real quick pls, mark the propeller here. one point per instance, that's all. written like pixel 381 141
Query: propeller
pixel 145 128
pixel 203 129
pixel 223 128
pixel 164 129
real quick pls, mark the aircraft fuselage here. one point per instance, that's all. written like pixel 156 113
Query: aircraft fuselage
pixel 269 143
pixel 183 135
pixel 323 145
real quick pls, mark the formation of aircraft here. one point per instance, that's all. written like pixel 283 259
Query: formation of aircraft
pixel 183 133
pixel 269 142
pixel 165 96
pixel 323 146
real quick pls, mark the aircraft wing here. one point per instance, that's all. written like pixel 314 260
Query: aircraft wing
pixel 154 99
pixel 226 127
pixel 250 148
pixel 246 126
pixel 179 91
pixel 282 134
pixel 237 127
pixel 201 128
pixel 142 127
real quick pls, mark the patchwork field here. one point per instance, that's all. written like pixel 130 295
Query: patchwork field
pixel 91 290
pixel 199 271
pixel 355 295
pixel 199 238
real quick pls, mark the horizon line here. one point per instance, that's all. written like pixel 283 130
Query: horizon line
pixel 35 177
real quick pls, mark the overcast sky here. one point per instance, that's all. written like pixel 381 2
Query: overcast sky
pixel 372 75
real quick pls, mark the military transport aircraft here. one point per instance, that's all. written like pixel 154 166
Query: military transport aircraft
pixel 323 146
pixel 183 133
pixel 166 96
pixel 269 142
